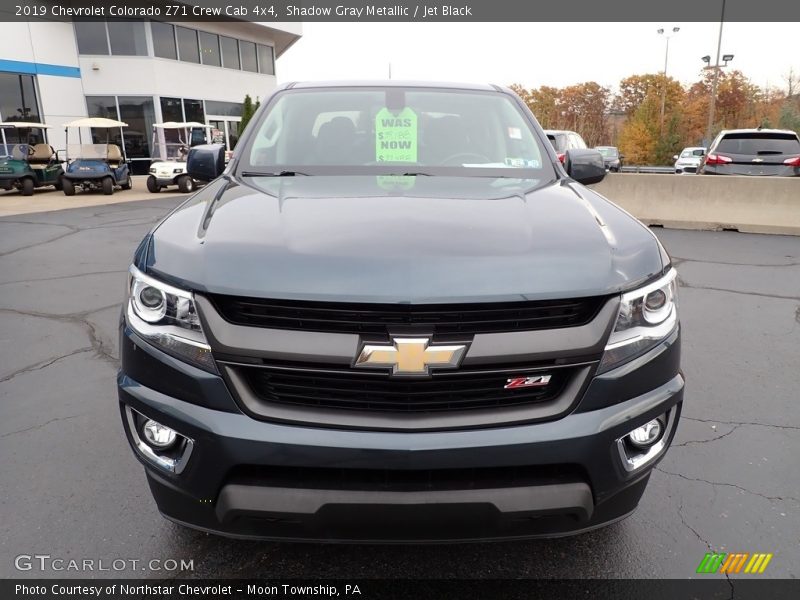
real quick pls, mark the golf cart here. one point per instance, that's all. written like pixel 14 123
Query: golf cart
pixel 95 166
pixel 171 143
pixel 27 165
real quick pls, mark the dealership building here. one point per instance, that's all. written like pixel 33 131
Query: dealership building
pixel 139 72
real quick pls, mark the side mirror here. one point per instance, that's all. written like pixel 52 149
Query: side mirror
pixel 585 166
pixel 674 157
pixel 621 156
pixel 206 162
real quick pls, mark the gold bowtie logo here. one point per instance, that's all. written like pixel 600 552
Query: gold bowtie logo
pixel 410 356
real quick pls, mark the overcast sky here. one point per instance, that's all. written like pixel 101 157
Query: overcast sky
pixel 534 54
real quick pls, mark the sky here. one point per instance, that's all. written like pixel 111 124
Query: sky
pixel 535 54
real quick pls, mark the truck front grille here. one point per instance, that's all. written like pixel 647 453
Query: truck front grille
pixel 440 319
pixel 346 389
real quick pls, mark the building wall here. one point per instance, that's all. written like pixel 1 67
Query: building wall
pixel 49 50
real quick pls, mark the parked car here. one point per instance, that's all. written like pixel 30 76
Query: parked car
pixel 29 165
pixel 611 157
pixel 689 159
pixel 394 315
pixel 563 140
pixel 753 152
pixel 93 166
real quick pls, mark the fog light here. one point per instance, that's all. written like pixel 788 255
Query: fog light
pixel 158 435
pixel 646 435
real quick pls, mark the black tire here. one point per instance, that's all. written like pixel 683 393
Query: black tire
pixel 27 187
pixel 128 183
pixel 57 184
pixel 67 186
pixel 185 184
pixel 152 185
pixel 108 186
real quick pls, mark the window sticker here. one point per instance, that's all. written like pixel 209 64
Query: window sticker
pixel 521 163
pixel 395 183
pixel 396 136
pixel 514 133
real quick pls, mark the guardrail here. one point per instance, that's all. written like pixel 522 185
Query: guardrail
pixel 646 169
pixel 748 204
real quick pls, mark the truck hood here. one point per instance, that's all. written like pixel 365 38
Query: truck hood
pixel 400 239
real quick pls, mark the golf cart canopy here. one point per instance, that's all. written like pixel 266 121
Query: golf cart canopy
pixel 98 122
pixel 175 125
pixel 23 125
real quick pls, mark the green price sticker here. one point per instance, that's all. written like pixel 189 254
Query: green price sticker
pixel 396 136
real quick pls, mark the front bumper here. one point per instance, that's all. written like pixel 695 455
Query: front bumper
pixel 252 478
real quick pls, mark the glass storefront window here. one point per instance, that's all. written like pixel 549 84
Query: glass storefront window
pixel 188 50
pixel 193 109
pixel 209 49
pixel 139 113
pixel 127 38
pixel 91 36
pixel 266 61
pixel 230 52
pixel 224 109
pixel 163 40
pixel 171 109
pixel 18 98
pixel 249 58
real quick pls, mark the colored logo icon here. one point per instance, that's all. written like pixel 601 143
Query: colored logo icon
pixel 742 562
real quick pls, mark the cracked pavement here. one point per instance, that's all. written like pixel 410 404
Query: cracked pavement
pixel 70 486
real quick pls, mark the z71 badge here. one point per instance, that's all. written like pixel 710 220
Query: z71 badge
pixel 531 381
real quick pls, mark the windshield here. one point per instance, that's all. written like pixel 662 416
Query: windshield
pixel 607 151
pixel 386 131
pixel 172 144
pixel 14 151
pixel 87 151
pixel 693 153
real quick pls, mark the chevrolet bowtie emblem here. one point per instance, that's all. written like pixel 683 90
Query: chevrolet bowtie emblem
pixel 410 356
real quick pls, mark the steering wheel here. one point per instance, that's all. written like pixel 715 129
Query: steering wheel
pixel 464 155
pixel 31 151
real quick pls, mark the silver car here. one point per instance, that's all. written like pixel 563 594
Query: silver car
pixel 689 159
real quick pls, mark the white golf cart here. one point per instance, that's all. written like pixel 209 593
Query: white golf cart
pixel 171 143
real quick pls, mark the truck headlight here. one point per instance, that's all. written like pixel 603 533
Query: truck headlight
pixel 646 316
pixel 166 317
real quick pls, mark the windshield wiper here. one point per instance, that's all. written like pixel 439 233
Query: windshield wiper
pixel 272 174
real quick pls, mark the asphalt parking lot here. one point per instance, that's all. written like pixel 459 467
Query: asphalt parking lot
pixel 71 488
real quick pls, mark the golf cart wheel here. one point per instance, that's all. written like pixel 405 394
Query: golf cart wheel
pixel 185 184
pixel 58 184
pixel 27 187
pixel 128 183
pixel 152 185
pixel 67 186
pixel 108 186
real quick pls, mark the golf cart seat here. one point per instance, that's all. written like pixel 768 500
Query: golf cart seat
pixel 113 156
pixel 41 156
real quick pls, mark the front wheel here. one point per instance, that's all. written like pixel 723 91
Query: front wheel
pixel 27 187
pixel 108 186
pixel 152 185
pixel 185 184
pixel 128 183
pixel 68 187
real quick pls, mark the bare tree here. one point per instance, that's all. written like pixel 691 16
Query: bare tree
pixel 792 80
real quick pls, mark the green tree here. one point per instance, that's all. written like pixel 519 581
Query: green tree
pixel 248 110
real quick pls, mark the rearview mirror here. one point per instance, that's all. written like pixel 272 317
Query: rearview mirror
pixel 674 157
pixel 585 166
pixel 206 162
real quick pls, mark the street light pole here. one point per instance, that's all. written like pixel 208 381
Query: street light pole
pixel 664 86
pixel 710 127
